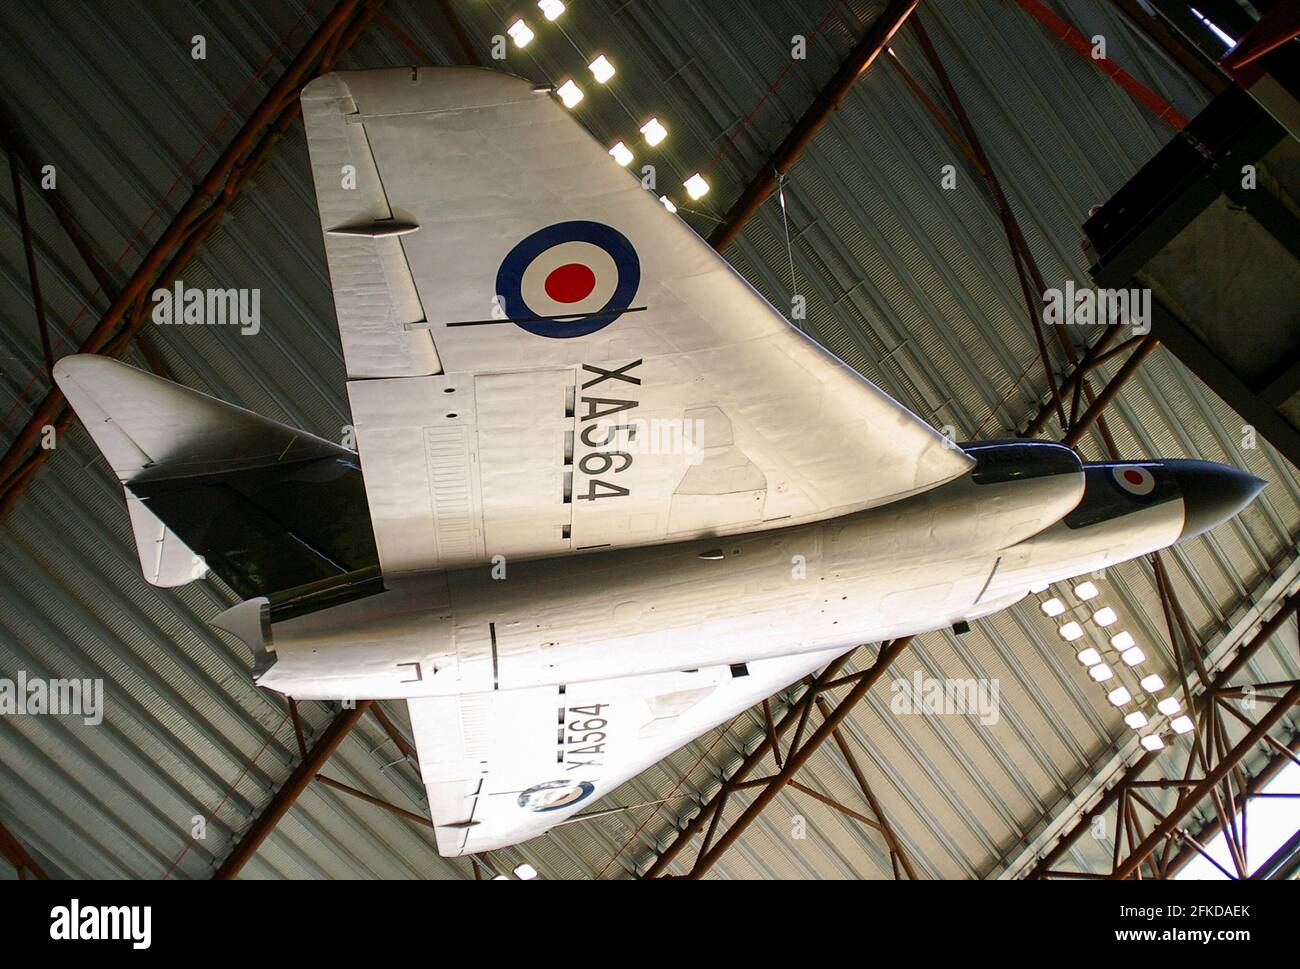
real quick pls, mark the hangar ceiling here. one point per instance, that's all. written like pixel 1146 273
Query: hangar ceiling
pixel 909 282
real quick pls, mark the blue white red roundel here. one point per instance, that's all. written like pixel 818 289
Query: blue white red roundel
pixel 555 795
pixel 1134 480
pixel 569 279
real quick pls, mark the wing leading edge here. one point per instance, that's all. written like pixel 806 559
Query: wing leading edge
pixel 542 359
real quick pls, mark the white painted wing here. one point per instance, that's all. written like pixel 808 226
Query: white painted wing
pixel 505 766
pixel 541 358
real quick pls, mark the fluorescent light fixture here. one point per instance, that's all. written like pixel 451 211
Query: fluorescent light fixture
pixel 1153 742
pixel 1123 640
pixel 1071 631
pixel 1089 657
pixel 525 872
pixel 550 8
pixel 1181 724
pixel 601 68
pixel 1105 616
pixel 500 878
pixel 668 203
pixel 1086 591
pixel 1169 705
pixel 696 186
pixel 1101 672
pixel 569 93
pixel 1151 683
pixel 1119 696
pixel 520 32
pixel 1137 719
pixel 1053 607
pixel 654 132
pixel 622 154
pixel 1133 656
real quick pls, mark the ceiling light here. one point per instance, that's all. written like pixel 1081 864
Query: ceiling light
pixel 1089 657
pixel 569 93
pixel 525 872
pixel 1152 683
pixel 654 132
pixel 696 186
pixel 1153 742
pixel 1169 705
pixel 1137 719
pixel 1038 587
pixel 1086 591
pixel 1181 724
pixel 1105 616
pixel 1123 640
pixel 668 203
pixel 601 68
pixel 550 8
pixel 1101 672
pixel 1119 696
pixel 1053 607
pixel 520 32
pixel 622 154
pixel 1133 655
pixel 1071 631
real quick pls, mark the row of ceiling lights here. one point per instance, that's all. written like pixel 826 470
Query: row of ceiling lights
pixel 570 94
pixel 1130 655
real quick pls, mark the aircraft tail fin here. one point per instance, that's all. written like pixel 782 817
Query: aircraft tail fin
pixel 210 485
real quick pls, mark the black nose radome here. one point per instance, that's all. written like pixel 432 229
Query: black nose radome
pixel 1212 493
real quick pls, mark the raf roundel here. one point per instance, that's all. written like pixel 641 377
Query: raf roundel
pixel 568 279
pixel 554 795
pixel 1134 480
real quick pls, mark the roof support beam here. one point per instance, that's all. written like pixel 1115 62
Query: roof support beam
pixel 19 857
pixel 736 780
pixel 187 232
pixel 1081 45
pixel 33 277
pixel 796 758
pixel 800 756
pixel 1133 777
pixel 11 138
pixel 285 797
pixel 873 42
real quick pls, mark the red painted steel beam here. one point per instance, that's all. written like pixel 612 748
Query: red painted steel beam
pixel 1227 762
pixel 19 857
pixel 1257 642
pixel 1082 45
pixel 864 53
pixel 285 797
pixel 191 227
pixel 799 757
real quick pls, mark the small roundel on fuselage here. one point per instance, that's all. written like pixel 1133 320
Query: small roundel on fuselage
pixel 1134 479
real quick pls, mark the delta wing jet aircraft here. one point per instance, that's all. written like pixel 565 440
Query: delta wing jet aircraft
pixel 562 598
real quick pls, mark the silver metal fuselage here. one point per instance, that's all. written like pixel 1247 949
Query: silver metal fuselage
pixel 960 551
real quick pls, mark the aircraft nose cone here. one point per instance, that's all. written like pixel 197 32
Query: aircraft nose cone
pixel 1212 493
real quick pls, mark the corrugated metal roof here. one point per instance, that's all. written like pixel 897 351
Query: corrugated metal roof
pixel 909 283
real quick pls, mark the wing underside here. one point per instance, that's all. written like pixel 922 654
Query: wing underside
pixel 505 766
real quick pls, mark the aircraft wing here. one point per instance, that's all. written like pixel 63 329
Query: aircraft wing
pixel 503 767
pixel 542 359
